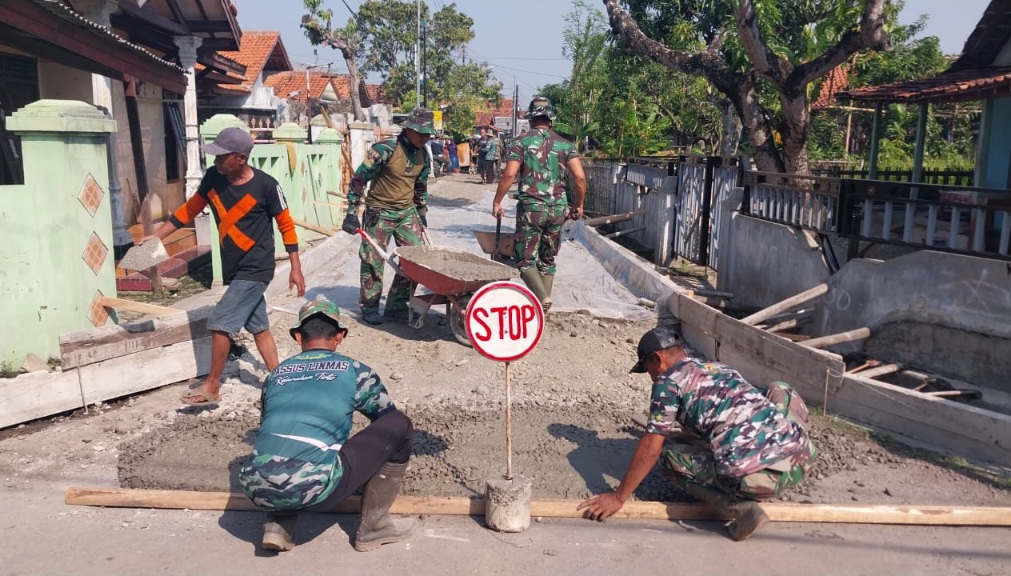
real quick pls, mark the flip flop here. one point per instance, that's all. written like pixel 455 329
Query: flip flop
pixel 200 396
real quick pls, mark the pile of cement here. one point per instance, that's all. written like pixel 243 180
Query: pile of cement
pixel 568 452
pixel 456 264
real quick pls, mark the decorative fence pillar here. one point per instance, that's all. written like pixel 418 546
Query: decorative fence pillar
pixel 56 234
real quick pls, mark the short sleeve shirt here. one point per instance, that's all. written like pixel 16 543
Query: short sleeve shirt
pixel 542 155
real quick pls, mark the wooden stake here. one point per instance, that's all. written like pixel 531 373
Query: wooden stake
pixel 785 305
pixel 833 339
pixel 509 425
pixel 458 506
pixel 313 227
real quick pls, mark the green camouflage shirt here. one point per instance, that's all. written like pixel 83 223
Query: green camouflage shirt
pixel 308 401
pixel 375 162
pixel 745 431
pixel 542 155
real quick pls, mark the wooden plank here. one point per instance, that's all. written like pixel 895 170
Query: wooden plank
pixel 38 394
pixel 613 219
pixel 840 338
pixel 310 226
pixel 131 306
pixel 783 306
pixel 462 506
pixel 106 342
pixel 145 370
pixel 879 371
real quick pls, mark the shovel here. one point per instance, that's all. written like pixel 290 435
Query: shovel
pixel 498 235
pixel 382 253
pixel 144 256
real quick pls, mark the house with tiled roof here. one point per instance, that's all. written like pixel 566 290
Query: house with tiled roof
pixel 982 73
pixel 247 96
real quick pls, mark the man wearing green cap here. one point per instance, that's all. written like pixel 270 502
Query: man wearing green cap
pixel 303 458
pixel 542 159
pixel 396 207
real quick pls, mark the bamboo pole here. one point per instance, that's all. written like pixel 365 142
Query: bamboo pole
pixel 841 337
pixel 785 305
pixel 313 227
pixel 461 506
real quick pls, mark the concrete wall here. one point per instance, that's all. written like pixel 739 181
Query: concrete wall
pixel 768 262
pixel 945 313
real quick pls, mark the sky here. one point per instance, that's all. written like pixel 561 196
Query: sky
pixel 522 39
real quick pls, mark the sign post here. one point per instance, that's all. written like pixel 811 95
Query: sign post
pixel 505 322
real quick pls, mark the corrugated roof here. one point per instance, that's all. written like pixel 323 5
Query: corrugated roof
pixel 256 49
pixel 486 116
pixel 68 13
pixel 287 83
pixel 957 86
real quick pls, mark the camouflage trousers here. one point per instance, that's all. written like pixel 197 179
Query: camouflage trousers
pixel 405 228
pixel 690 463
pixel 538 235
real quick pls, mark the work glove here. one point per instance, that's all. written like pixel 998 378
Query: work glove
pixel 423 213
pixel 351 224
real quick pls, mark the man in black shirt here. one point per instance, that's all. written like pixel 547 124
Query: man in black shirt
pixel 243 199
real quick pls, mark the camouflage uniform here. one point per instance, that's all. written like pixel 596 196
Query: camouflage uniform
pixel 757 445
pixel 543 203
pixel 396 212
pixel 308 401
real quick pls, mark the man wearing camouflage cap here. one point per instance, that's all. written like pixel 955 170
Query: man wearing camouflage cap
pixel 396 206
pixel 735 445
pixel 303 458
pixel 543 160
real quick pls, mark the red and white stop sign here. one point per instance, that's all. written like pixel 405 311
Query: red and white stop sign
pixel 504 321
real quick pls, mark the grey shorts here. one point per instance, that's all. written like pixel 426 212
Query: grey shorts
pixel 242 305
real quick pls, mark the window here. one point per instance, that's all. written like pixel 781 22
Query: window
pixel 19 86
pixel 175 142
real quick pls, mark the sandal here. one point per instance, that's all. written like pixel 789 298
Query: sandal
pixel 200 396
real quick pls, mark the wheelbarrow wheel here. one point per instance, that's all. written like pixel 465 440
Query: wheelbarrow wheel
pixel 458 319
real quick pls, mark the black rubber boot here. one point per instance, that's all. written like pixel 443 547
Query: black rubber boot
pixel 547 280
pixel 279 532
pixel 372 317
pixel 746 517
pixel 377 526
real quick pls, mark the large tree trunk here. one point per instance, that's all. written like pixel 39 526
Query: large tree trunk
pixel 796 126
pixel 355 81
pixel 730 135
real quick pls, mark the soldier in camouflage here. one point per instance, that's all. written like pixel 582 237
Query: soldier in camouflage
pixel 396 206
pixel 303 458
pixel 735 444
pixel 544 162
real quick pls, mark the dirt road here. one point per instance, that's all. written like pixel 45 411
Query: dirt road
pixel 573 436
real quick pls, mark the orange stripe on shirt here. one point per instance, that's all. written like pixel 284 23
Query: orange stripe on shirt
pixel 229 218
pixel 188 211
pixel 287 227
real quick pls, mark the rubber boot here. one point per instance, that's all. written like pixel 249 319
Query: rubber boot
pixel 377 526
pixel 746 517
pixel 279 532
pixel 547 280
pixel 372 317
pixel 532 278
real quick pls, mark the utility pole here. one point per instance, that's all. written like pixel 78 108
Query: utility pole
pixel 516 102
pixel 424 57
pixel 417 61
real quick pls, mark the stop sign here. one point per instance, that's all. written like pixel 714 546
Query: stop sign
pixel 504 321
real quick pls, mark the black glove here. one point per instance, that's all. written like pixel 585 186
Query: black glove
pixel 423 214
pixel 351 224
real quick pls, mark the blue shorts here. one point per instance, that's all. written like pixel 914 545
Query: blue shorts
pixel 242 305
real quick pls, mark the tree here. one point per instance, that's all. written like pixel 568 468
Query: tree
pixel 317 25
pixel 763 57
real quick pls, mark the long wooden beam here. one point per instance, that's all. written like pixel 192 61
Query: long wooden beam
pixel 456 506
pixel 805 296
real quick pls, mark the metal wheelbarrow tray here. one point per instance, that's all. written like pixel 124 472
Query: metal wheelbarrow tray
pixel 452 275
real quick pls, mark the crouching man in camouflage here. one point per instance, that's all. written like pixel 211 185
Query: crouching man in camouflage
pixel 303 459
pixel 743 445
pixel 542 159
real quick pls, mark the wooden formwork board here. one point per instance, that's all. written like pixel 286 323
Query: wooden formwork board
pixel 820 378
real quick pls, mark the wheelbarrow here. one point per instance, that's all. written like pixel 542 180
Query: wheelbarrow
pixel 450 274
pixel 498 244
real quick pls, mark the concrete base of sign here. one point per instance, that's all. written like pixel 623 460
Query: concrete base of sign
pixel 507 504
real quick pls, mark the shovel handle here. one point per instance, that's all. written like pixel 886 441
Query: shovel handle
pixel 382 253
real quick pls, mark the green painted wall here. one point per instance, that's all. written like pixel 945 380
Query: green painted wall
pixel 46 286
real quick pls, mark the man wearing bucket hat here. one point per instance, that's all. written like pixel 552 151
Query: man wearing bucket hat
pixel 736 444
pixel 396 206
pixel 303 458
pixel 243 199
pixel 542 159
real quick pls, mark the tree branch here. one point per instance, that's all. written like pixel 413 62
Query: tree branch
pixel 767 63
pixel 871 34
pixel 708 65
